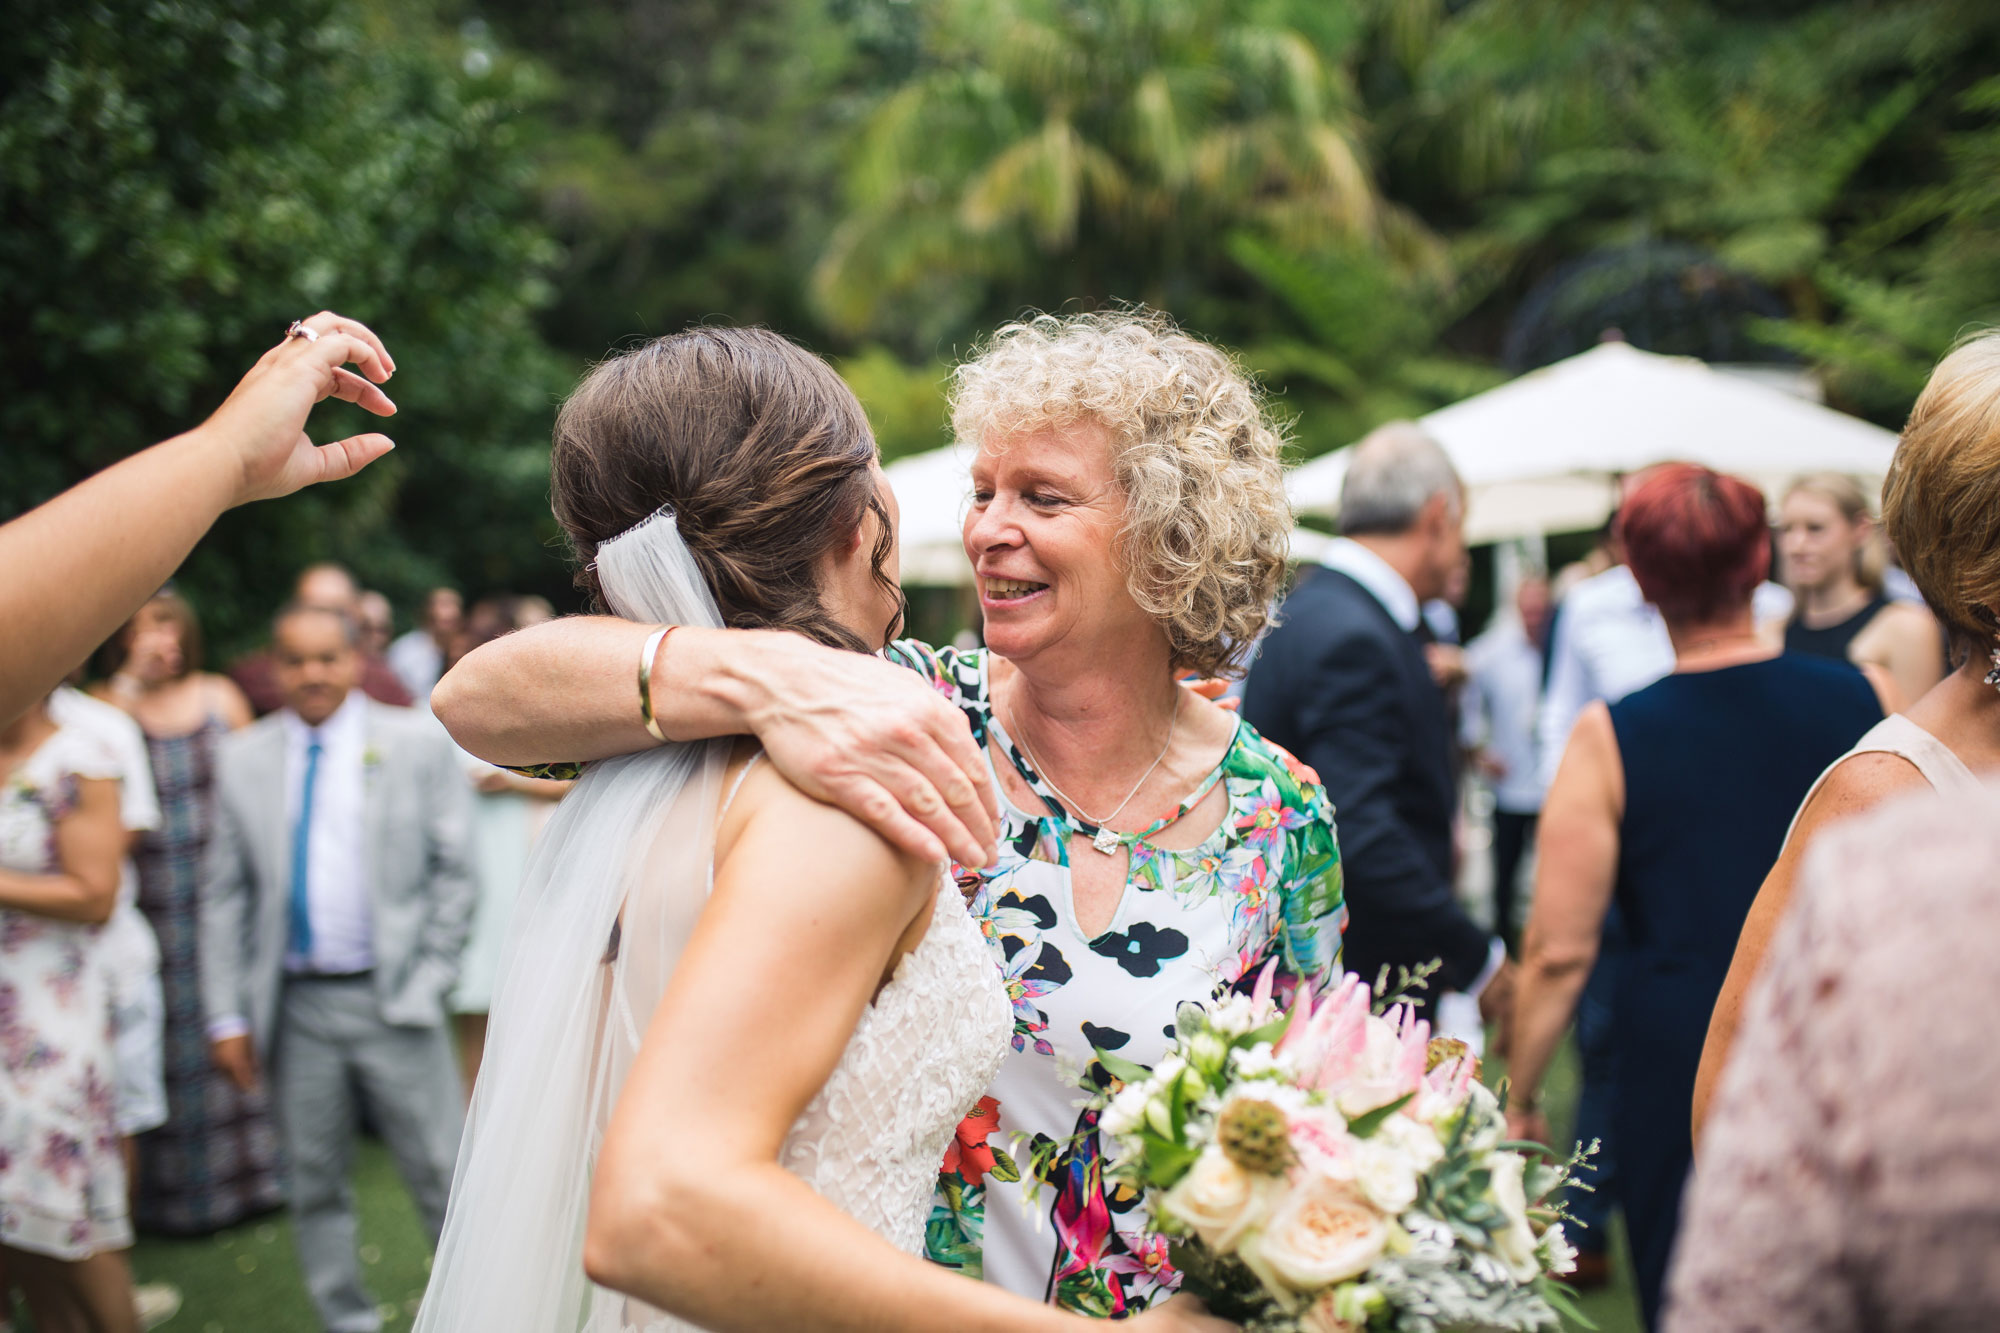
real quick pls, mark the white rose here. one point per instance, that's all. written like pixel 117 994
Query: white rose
pixel 1559 1256
pixel 1218 1199
pixel 1126 1111
pixel 1515 1243
pixel 1414 1139
pixel 1385 1175
pixel 1318 1234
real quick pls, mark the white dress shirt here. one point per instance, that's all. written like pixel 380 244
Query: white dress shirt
pixel 1610 641
pixel 1375 574
pixel 418 662
pixel 338 903
pixel 1503 691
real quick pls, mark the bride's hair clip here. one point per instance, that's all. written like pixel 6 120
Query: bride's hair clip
pixel 665 511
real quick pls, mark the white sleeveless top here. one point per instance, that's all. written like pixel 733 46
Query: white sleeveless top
pixel 1897 735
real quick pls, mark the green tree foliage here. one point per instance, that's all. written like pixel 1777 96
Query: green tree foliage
pixel 1049 151
pixel 181 180
pixel 1839 153
pixel 691 151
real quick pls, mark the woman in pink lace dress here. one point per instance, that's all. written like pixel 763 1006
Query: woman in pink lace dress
pixel 1850 1176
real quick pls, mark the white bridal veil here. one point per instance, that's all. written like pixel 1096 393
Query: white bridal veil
pixel 610 895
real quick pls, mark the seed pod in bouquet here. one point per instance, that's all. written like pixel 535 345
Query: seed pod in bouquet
pixel 1253 1134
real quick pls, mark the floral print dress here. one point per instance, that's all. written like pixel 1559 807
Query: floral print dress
pixel 1191 924
pixel 62 1178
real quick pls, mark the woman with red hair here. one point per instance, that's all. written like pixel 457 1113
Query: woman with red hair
pixel 1674 800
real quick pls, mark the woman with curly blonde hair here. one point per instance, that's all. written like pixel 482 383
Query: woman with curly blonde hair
pixel 1127 525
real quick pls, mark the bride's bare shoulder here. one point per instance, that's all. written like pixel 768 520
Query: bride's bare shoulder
pixel 770 822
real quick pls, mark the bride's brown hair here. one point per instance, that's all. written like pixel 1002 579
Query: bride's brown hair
pixel 762 451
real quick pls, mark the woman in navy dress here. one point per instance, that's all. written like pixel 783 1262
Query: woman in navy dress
pixel 1675 801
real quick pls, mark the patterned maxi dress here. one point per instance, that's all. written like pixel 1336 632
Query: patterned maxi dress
pixel 1191 924
pixel 215 1161
pixel 62 1174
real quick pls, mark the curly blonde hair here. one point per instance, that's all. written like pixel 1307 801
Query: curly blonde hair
pixel 1207 521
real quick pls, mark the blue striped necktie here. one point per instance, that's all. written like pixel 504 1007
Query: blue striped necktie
pixel 300 943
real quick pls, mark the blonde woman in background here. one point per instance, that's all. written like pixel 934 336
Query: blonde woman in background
pixel 1941 506
pixel 1833 558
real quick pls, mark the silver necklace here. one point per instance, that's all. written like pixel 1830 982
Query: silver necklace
pixel 1104 840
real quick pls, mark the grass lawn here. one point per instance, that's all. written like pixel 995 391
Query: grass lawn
pixel 247 1280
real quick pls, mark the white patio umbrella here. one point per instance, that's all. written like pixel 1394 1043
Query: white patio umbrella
pixel 931 491
pixel 1542 453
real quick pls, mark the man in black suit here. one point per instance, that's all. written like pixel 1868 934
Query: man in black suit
pixel 1343 683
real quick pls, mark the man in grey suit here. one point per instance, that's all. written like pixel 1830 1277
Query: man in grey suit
pixel 335 904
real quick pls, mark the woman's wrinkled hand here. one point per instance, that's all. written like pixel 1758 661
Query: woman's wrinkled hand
pixel 878 741
pixel 261 426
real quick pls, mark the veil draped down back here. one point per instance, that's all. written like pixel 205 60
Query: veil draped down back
pixel 610 896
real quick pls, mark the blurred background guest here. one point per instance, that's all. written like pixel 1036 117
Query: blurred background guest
pixel 329 587
pixel 1833 562
pixel 335 899
pixel 215 1160
pixel 1343 683
pixel 1673 800
pixel 418 657
pixel 508 812
pixel 377 623
pixel 64 1227
pixel 1850 1175
pixel 1941 506
pixel 130 951
pixel 1502 692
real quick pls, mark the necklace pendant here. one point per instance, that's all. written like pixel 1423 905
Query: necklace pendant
pixel 1105 841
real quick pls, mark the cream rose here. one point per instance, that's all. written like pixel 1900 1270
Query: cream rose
pixel 1386 1175
pixel 1319 1234
pixel 1218 1199
pixel 1514 1244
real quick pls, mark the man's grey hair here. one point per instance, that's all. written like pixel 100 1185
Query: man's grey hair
pixel 350 630
pixel 1394 472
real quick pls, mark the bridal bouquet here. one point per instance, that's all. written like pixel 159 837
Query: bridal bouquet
pixel 1332 1169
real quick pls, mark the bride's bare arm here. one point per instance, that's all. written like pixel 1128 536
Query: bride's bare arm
pixel 861 733
pixel 690 1210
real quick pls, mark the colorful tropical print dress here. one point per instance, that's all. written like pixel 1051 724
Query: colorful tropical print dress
pixel 1190 925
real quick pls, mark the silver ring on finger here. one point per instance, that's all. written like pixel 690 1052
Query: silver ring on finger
pixel 300 329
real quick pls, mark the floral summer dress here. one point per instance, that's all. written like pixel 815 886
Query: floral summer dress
pixel 62 1178
pixel 1191 924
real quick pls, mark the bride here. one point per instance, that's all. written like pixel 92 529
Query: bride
pixel 735 1028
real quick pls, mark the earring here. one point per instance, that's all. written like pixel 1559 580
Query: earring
pixel 1992 622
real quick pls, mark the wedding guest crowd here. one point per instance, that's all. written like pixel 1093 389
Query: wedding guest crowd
pixel 214 1162
pixel 1941 506
pixel 335 901
pixel 327 587
pixel 1674 800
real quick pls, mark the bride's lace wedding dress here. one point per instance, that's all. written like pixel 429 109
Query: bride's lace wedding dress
pixel 871 1142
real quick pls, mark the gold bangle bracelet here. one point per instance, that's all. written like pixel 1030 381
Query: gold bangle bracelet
pixel 646 656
